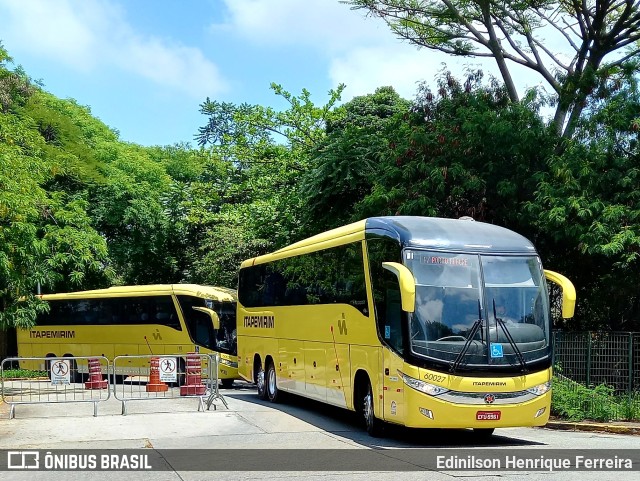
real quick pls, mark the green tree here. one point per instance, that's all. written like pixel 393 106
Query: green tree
pixel 347 162
pixel 46 236
pixel 602 35
pixel 462 150
pixel 261 154
pixel 588 204
pixel 15 86
pixel 128 211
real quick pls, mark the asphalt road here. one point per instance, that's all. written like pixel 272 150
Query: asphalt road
pixel 251 424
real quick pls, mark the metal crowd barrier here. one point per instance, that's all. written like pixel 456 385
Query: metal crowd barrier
pixel 66 382
pixel 166 376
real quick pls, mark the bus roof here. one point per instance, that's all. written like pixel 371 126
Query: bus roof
pixel 207 292
pixel 463 235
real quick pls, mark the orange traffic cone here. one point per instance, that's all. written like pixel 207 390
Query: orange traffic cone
pixel 193 385
pixel 155 384
pixel 95 375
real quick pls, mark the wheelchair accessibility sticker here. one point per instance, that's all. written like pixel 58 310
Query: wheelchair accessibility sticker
pixel 496 350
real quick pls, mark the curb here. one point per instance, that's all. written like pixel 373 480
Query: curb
pixel 593 427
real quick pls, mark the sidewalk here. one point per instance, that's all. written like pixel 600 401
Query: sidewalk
pixel 614 427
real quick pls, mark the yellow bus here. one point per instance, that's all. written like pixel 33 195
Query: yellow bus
pixel 416 321
pixel 135 320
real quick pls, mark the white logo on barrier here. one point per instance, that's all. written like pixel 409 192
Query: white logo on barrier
pixel 61 372
pixel 168 369
pixel 23 459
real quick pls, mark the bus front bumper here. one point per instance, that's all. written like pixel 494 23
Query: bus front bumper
pixel 424 411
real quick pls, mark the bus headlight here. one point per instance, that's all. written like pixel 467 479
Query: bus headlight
pixel 227 362
pixel 541 389
pixel 422 386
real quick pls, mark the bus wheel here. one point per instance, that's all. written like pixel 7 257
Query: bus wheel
pixel 271 384
pixel 262 385
pixel 226 383
pixel 483 433
pixel 375 426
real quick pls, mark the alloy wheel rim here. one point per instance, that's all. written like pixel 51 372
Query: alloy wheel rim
pixel 260 380
pixel 272 381
pixel 367 409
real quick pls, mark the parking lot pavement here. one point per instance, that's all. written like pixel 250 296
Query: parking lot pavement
pixel 249 423
pixel 157 423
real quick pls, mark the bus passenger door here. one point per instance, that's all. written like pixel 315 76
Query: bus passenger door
pixel 392 328
pixel 393 387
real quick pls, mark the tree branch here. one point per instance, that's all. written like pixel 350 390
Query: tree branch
pixel 559 29
pixel 619 62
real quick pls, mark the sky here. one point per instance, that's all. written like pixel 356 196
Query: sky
pixel 144 67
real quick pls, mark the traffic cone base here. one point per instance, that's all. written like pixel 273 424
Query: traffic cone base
pixel 193 385
pixel 193 390
pixel 155 384
pixel 95 376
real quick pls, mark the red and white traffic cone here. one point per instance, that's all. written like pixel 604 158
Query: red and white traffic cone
pixel 155 384
pixel 95 375
pixel 193 385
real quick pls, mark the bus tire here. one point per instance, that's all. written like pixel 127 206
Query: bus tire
pixel 226 383
pixel 260 383
pixel 374 426
pixel 271 384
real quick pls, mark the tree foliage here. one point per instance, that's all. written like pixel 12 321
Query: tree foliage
pixel 598 35
pixel 264 153
pixel 346 163
pixel 588 203
pixel 46 236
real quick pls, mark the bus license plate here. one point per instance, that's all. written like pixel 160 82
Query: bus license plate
pixel 488 416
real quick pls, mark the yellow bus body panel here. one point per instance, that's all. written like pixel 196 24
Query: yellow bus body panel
pixel 111 341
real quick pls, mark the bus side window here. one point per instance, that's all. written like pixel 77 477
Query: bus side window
pixel 275 286
pixel 164 312
pixel 386 292
pixel 295 295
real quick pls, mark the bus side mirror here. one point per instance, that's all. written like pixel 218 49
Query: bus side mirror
pixel 407 284
pixel 215 320
pixel 568 292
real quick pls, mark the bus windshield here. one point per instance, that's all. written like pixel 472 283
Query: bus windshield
pixel 453 291
pixel 201 329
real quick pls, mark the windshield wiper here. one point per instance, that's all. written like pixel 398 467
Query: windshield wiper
pixel 474 329
pixel 507 334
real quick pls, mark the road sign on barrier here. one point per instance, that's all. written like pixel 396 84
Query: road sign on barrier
pixel 65 384
pixel 168 369
pixel 61 371
pixel 164 376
